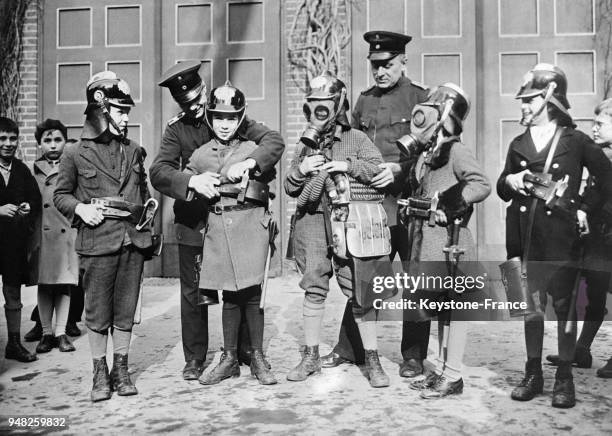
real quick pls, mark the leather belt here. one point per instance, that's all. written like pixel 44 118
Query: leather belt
pixel 120 209
pixel 218 208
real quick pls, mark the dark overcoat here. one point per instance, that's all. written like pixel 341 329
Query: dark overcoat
pixel 85 173
pixel 179 141
pixel 53 257
pixel 235 242
pixel 14 232
pixel 554 239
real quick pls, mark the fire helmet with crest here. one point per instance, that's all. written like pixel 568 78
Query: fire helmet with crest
pixel 103 90
pixel 548 81
pixel 226 99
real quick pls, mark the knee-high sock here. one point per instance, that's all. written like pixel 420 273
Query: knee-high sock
pixel 255 319
pixel 45 309
pixel 230 318
pixel 313 318
pixel 121 341
pixel 588 333
pixel 367 330
pixel 12 307
pixel 457 338
pixel 97 343
pixel 534 335
pixel 566 342
pixel 62 309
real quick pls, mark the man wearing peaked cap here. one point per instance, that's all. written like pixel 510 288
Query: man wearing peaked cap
pixel 183 135
pixel 383 112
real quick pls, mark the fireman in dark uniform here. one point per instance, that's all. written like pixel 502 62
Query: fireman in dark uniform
pixel 383 113
pixel 185 133
pixel 552 247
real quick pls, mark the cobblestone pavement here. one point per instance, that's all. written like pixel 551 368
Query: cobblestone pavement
pixel 338 401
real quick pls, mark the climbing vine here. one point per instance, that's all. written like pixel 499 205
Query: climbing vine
pixel 12 17
pixel 316 39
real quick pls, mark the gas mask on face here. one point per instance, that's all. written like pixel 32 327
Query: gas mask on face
pixel 425 124
pixel 321 115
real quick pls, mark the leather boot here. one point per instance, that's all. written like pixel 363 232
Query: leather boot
pixel 532 384
pixel 606 370
pixel 72 329
pixel 14 350
pixel 227 367
pixel 332 360
pixel 424 383
pixel 310 364
pixel 35 334
pixel 120 378
pixel 564 395
pixel 64 344
pixel 375 373
pixel 411 368
pixel 442 387
pixel 260 368
pixel 46 344
pixel 582 358
pixel 101 389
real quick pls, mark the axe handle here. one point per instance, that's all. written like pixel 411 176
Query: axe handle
pixel 264 286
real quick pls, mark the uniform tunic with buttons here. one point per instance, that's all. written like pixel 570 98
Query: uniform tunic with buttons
pixel 235 241
pixel 53 257
pixel 384 115
pixel 554 236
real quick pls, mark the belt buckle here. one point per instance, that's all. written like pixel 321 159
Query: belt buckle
pixel 218 208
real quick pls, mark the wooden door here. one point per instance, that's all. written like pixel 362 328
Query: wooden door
pixel 81 38
pixel 443 46
pixel 237 41
pixel 554 31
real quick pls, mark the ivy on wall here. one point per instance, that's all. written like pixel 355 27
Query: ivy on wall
pixel 316 39
pixel 12 17
pixel 604 42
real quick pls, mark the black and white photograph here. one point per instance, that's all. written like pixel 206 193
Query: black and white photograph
pixel 314 217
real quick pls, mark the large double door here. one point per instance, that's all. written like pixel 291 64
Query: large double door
pixel 235 40
pixel 486 46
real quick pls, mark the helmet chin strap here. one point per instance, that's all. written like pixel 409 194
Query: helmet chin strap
pixel 103 102
pixel 448 106
pixel 528 121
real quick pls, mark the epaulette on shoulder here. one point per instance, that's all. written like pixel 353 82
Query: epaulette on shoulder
pixel 177 117
pixel 419 85
pixel 365 91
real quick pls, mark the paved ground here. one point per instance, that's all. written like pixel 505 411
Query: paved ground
pixel 339 401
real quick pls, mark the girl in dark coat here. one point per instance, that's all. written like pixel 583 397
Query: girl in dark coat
pixel 554 242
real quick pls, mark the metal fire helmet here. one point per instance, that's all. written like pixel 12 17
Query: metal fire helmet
pixel 447 106
pixel 326 87
pixel 548 81
pixel 226 99
pixel 103 90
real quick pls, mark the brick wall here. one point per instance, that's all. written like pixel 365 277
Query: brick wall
pixel 293 98
pixel 27 104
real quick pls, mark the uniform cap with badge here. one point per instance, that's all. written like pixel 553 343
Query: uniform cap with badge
pixel 184 81
pixel 385 45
